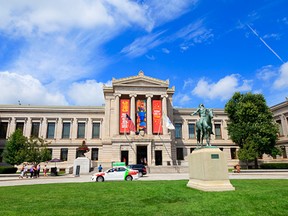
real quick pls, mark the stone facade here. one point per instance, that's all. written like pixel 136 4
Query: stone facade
pixel 65 127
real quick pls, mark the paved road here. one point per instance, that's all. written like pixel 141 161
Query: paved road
pixel 14 181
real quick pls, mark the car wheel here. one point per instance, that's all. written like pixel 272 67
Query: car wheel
pixel 100 179
pixel 140 174
pixel 128 178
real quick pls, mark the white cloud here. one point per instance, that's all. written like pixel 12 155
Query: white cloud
pixel 32 16
pixel 165 50
pixel 152 57
pixel 194 33
pixel 273 35
pixel 182 99
pixel 141 45
pixel 88 93
pixel 28 90
pixel 282 81
pixel 188 83
pixel 162 11
pixel 266 73
pixel 223 89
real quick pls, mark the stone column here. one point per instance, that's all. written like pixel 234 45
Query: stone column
pixel 132 107
pixel 149 114
pixel 164 112
pixel 117 107
pixel 284 125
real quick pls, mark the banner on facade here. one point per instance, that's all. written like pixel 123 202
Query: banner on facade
pixel 124 111
pixel 157 116
pixel 141 115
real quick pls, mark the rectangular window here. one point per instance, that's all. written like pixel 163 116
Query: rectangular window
pixel 96 131
pixel 218 131
pixel 94 154
pixel 50 130
pixel 20 126
pixel 3 130
pixel 64 154
pixel 280 127
pixel 233 153
pixel 66 130
pixel 179 154
pixel 191 129
pixel 81 130
pixel 178 130
pixel 35 129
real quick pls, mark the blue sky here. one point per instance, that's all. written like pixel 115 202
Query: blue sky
pixel 61 52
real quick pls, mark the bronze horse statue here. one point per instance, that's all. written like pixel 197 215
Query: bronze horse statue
pixel 204 128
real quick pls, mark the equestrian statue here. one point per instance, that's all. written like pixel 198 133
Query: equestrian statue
pixel 204 125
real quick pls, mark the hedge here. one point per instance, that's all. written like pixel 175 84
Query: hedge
pixel 8 170
pixel 274 166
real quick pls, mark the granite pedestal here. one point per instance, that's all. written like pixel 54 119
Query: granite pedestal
pixel 208 170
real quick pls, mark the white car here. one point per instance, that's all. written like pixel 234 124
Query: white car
pixel 116 174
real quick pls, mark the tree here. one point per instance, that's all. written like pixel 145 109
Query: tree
pixel 19 149
pixel 15 148
pixel 251 125
pixel 37 150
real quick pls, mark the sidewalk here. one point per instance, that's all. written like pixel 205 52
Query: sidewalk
pixel 14 180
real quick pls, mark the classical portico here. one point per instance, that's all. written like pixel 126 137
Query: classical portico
pixel 145 100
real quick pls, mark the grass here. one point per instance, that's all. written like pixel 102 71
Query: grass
pixel 252 197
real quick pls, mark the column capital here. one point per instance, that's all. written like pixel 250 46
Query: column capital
pixel 164 96
pixel 149 95
pixel 117 95
pixel 132 95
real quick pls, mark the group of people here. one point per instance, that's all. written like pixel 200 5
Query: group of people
pixel 34 171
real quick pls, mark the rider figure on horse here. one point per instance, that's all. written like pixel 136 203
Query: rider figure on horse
pixel 202 111
pixel 202 122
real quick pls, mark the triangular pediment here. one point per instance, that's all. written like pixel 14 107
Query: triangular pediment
pixel 140 80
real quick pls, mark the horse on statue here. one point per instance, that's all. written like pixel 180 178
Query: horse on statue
pixel 204 128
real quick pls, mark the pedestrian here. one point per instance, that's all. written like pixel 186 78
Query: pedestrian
pixel 31 171
pixel 21 172
pixel 100 168
pixel 45 170
pixel 38 170
pixel 26 170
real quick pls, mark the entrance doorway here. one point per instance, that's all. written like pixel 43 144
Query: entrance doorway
pixel 158 157
pixel 125 157
pixel 142 155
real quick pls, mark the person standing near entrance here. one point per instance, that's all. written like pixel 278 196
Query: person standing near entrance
pixel 100 168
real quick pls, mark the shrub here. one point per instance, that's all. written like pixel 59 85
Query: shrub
pixel 8 170
pixel 274 166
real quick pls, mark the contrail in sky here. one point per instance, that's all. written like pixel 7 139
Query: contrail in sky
pixel 266 44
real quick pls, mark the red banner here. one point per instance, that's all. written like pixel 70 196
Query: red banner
pixel 124 110
pixel 157 114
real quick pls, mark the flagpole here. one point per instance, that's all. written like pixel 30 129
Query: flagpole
pixel 164 144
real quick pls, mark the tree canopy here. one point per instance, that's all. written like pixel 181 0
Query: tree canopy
pixel 19 149
pixel 15 148
pixel 251 125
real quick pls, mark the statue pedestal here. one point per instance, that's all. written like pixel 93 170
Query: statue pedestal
pixel 208 170
pixel 84 163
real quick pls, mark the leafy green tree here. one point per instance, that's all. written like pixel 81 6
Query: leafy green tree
pixel 251 125
pixel 37 150
pixel 15 148
pixel 247 153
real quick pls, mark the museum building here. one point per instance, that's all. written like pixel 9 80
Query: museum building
pixel 132 127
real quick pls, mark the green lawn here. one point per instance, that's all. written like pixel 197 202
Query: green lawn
pixel 252 197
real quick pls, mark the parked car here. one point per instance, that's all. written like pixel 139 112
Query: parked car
pixel 116 174
pixel 140 167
